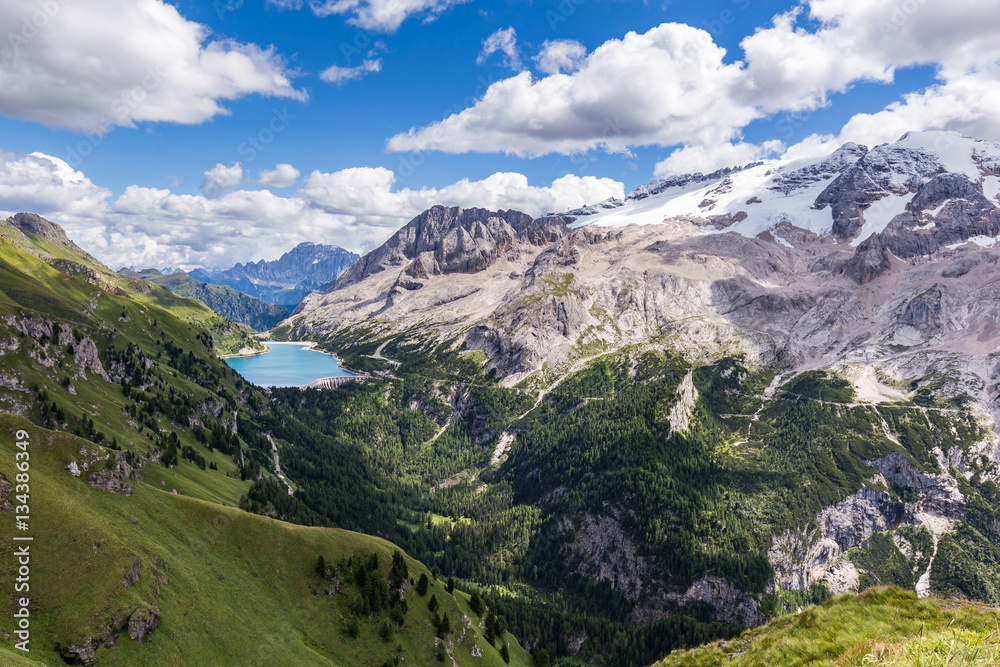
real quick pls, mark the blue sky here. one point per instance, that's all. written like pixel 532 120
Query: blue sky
pixel 155 131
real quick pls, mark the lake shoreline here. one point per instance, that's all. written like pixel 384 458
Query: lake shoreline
pixel 271 346
pixel 307 344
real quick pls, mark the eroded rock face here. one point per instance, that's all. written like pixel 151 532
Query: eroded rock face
pixel 802 559
pixel 81 653
pixel 453 240
pixel 730 603
pixel 138 622
pixel 600 550
pixel 680 413
pixel 871 260
pixel 885 170
pixel 851 521
pixel 115 480
pixel 132 573
pixel 938 492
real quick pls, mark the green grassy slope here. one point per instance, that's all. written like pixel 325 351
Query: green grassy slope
pixel 225 301
pixel 232 588
pixel 37 263
pixel 881 626
pixel 61 328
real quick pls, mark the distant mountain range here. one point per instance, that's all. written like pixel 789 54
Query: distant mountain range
pixel 223 300
pixel 306 268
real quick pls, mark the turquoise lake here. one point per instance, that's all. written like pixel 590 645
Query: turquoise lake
pixel 287 365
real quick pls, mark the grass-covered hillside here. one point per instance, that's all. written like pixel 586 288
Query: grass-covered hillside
pixel 37 261
pixel 223 300
pixel 881 626
pixel 228 587
pixel 137 468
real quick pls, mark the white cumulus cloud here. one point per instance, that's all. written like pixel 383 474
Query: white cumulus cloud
pixel 356 208
pixel 706 159
pixel 382 15
pixel 665 86
pixel 674 86
pixel 39 183
pixel 338 75
pixel 103 63
pixel 221 179
pixel 560 55
pixel 504 41
pixel 282 176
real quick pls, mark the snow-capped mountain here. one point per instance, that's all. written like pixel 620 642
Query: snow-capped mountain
pixel 851 195
pixel 807 263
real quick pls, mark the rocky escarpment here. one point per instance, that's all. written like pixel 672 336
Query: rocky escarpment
pixel 441 268
pixel 776 281
pixel 454 240
pixel 802 558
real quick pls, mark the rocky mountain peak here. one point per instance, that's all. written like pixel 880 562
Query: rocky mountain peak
pixel 31 223
pixel 444 240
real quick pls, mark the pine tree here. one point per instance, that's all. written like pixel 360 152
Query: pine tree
pixel 505 653
pixel 422 584
pixel 433 604
pixel 476 604
pixel 451 584
pixel 321 566
pixel 490 631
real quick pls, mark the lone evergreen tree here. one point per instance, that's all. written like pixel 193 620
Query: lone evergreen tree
pixel 476 604
pixel 321 566
pixel 451 584
pixel 490 633
pixel 422 585
pixel 433 604
pixel 505 653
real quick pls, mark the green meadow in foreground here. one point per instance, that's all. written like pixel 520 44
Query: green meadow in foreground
pixel 231 588
pixel 880 626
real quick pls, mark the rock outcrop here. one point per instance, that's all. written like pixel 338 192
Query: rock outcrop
pixel 729 603
pixel 143 621
pixel 116 479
